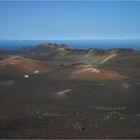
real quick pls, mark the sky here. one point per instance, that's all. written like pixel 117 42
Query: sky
pixel 24 20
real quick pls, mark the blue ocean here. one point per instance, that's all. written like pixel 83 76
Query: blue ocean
pixel 98 43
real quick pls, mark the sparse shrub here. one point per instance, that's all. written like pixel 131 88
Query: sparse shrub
pixel 81 114
pixel 37 114
pixel 77 126
pixel 114 115
pixel 110 108
pixel 43 114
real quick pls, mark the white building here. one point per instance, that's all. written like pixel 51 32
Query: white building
pixel 36 71
pixel 26 76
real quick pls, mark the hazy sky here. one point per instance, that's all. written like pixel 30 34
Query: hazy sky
pixel 69 20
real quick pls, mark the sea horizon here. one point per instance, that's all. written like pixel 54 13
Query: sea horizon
pixel 104 44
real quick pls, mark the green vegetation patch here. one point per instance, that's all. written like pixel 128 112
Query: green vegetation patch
pixel 77 126
pixel 110 108
pixel 114 115
pixel 42 114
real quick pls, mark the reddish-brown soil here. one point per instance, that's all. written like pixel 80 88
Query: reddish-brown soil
pixel 18 66
pixel 88 72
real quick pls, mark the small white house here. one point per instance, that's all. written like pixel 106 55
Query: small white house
pixel 36 72
pixel 26 76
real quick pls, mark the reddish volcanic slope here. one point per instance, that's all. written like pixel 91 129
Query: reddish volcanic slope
pixel 17 65
pixel 85 72
pixel 88 72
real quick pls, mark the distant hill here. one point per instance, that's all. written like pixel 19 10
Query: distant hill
pixel 65 55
